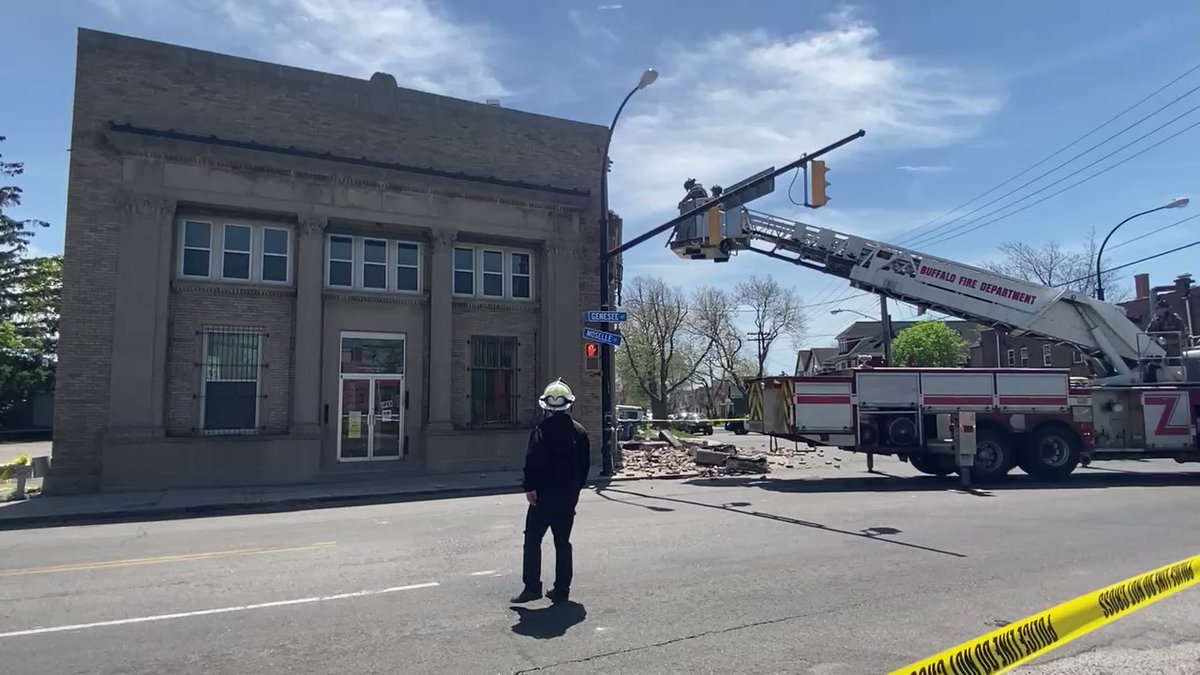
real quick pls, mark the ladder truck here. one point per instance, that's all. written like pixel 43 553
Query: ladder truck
pixel 1141 403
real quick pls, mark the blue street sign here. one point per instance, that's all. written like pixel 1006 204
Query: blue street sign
pixel 596 316
pixel 611 339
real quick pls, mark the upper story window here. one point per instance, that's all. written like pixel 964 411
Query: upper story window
pixel 1047 355
pixel 1024 357
pixel 235 252
pixel 1076 356
pixel 1012 357
pixel 493 272
pixel 370 264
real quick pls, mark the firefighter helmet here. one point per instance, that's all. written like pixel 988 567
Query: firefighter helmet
pixel 557 396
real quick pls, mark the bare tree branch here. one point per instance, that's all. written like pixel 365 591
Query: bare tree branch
pixel 777 312
pixel 1053 265
pixel 661 353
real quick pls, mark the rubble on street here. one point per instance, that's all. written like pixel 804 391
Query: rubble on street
pixel 685 457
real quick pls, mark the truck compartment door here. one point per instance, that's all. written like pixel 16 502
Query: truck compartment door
pixel 823 406
pixel 1168 419
pixel 957 390
pixel 1032 391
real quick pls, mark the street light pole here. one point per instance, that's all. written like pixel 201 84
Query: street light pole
pixel 1176 204
pixel 606 353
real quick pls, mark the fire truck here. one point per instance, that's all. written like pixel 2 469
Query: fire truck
pixel 1142 402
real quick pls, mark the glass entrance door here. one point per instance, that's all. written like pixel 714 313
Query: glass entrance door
pixel 371 419
pixel 387 426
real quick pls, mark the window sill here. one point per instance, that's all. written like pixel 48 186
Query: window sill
pixel 385 297
pixel 233 288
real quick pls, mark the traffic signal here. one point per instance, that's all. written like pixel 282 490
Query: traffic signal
pixel 591 356
pixel 817 172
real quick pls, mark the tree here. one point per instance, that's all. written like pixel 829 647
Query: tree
pixel 29 291
pixel 929 344
pixel 777 312
pixel 659 354
pixel 714 318
pixel 1052 265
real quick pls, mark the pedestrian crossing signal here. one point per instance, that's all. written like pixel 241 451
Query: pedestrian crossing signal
pixel 591 355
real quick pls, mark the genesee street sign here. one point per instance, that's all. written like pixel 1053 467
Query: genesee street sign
pixel 611 339
pixel 597 316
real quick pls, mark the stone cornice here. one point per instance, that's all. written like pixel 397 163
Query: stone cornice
pixel 136 204
pixel 169 151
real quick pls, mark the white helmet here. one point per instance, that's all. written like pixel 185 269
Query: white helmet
pixel 557 396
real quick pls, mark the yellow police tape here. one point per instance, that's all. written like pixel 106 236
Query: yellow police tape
pixel 1018 643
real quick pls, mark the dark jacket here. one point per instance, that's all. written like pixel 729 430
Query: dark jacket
pixel 558 458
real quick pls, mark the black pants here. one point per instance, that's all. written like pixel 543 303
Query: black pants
pixel 557 514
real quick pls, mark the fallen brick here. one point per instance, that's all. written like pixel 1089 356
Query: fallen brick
pixel 711 457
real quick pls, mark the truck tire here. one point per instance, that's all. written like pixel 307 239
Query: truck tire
pixel 1052 452
pixel 934 465
pixel 994 455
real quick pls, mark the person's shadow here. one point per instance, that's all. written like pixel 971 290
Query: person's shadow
pixel 548 622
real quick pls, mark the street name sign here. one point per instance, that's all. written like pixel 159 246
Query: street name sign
pixel 610 339
pixel 597 316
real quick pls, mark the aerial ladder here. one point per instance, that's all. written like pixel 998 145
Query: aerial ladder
pixel 1120 352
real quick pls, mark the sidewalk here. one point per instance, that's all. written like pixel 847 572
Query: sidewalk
pixel 40 511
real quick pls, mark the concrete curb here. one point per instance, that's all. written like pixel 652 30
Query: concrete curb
pixel 17 522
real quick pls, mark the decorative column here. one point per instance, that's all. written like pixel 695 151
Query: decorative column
pixel 137 380
pixel 310 276
pixel 441 329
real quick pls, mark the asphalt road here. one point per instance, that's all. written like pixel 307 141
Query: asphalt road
pixel 843 574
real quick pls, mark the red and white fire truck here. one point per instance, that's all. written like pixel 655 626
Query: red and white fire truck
pixel 1143 402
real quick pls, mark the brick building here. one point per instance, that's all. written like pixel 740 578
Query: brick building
pixel 276 275
pixel 997 349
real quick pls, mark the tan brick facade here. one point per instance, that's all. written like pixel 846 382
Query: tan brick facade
pixel 244 142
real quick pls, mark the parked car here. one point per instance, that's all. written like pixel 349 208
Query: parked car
pixel 737 426
pixel 693 423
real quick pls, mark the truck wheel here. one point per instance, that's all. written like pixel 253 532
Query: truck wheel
pixel 934 465
pixel 1052 453
pixel 993 455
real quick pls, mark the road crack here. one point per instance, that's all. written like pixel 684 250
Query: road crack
pixel 685 638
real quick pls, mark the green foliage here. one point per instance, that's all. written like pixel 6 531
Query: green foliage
pixel 29 298
pixel 929 344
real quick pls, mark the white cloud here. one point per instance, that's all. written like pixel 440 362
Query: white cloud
pixel 922 168
pixel 590 29
pixel 423 47
pixel 743 101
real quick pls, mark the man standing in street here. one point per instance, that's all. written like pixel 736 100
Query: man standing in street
pixel 556 470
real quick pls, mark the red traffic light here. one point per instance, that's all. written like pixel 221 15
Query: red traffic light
pixel 592 350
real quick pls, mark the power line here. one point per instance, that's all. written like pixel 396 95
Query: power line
pixel 1072 159
pixel 635 303
pixel 1097 174
pixel 1152 232
pixel 1054 154
pixel 1131 264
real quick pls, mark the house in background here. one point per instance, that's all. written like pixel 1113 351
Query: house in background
pixel 815 360
pixel 863 340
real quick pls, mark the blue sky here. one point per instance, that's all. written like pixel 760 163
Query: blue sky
pixel 956 97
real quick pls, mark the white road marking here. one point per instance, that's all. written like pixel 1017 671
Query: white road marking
pixel 484 573
pixel 220 610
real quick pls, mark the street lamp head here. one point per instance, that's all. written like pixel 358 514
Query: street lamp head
pixel 836 311
pixel 1178 203
pixel 648 78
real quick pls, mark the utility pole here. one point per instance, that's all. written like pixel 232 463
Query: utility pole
pixel 759 339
